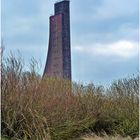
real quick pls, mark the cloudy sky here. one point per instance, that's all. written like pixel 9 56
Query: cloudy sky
pixel 104 35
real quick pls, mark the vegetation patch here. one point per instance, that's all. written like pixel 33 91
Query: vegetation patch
pixel 48 108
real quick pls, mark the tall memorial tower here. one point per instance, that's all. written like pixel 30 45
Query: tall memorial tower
pixel 58 62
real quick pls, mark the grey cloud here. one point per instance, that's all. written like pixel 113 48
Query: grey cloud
pixel 26 24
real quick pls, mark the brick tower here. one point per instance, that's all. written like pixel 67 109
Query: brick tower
pixel 58 62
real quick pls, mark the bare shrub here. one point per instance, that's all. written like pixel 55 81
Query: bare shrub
pixel 35 107
pixel 21 117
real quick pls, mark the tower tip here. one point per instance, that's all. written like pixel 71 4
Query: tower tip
pixel 61 1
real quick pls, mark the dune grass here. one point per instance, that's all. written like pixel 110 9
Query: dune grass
pixel 35 108
pixel 106 137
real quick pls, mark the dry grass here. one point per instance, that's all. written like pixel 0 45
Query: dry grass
pixel 108 138
pixel 35 109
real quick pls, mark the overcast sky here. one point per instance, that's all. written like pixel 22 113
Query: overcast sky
pixel 104 35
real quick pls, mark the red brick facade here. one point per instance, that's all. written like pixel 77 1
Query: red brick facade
pixel 59 53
